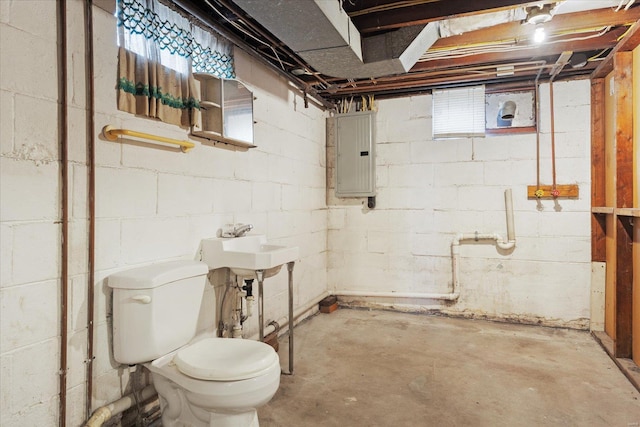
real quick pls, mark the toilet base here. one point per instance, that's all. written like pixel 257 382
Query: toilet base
pixel 249 419
pixel 177 412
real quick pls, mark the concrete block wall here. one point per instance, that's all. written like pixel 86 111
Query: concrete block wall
pixel 152 205
pixel 29 214
pixel 429 190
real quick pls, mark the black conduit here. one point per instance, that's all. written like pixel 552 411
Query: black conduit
pixel 64 204
pixel 91 154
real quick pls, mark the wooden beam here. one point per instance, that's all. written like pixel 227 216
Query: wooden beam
pixel 624 288
pixel 598 227
pixel 628 43
pixel 623 78
pixel 597 143
pixel 525 52
pixel 623 92
pixel 599 18
pixel 598 238
pixel 570 191
pixel 381 15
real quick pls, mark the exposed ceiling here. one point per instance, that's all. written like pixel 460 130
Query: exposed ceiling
pixel 339 48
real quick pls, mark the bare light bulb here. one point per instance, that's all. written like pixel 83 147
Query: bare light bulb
pixel 539 35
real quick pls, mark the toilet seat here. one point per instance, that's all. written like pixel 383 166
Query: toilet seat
pixel 225 359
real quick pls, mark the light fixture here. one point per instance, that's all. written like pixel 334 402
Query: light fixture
pixel 539 35
pixel 539 14
pixel 300 72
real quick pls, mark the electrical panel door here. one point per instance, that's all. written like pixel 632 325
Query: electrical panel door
pixel 355 145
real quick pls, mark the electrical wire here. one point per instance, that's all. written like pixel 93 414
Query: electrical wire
pixel 597 56
pixel 390 6
pixel 245 32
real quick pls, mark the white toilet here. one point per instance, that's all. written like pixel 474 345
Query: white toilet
pixel 201 382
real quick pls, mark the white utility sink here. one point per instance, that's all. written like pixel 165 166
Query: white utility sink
pixel 244 255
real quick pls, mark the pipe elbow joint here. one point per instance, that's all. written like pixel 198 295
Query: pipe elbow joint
pixel 506 245
pixel 99 417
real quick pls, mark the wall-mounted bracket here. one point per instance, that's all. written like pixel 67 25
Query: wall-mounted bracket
pixel 570 191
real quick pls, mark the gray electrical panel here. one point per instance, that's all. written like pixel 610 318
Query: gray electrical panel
pixel 355 148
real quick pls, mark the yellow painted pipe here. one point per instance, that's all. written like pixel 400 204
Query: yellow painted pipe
pixel 112 134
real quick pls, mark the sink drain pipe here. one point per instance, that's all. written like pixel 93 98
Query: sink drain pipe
pixel 504 244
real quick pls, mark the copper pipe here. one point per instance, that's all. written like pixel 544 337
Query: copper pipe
pixel 429 77
pixel 64 176
pixel 553 136
pixel 91 155
pixel 537 98
pixel 480 76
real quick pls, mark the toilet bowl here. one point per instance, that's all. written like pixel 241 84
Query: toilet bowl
pixel 200 381
pixel 216 382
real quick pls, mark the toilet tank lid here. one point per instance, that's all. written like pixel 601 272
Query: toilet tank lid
pixel 152 276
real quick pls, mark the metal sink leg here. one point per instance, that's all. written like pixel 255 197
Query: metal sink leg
pixel 260 278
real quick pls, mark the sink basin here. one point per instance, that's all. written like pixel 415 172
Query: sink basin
pixel 244 255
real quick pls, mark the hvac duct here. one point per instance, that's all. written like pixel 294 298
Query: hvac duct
pixel 324 36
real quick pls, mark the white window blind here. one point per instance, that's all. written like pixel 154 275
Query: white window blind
pixel 458 113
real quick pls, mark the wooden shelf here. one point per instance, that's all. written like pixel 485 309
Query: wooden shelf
pixel 602 210
pixel 224 105
pixel 209 104
pixel 213 138
pixel 613 183
pixel 634 212
pixel 207 134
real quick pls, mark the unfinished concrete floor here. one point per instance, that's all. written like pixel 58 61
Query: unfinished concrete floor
pixel 380 368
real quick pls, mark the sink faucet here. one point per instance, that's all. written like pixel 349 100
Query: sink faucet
pixel 237 230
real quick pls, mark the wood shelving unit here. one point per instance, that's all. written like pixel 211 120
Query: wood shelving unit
pixel 218 100
pixel 614 198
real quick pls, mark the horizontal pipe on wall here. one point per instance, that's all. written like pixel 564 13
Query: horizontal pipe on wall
pixel 105 413
pixel 452 296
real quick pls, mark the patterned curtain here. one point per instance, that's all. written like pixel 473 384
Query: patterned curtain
pixel 147 88
pixel 158 49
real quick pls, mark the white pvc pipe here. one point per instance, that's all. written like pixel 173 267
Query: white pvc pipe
pixel 508 204
pixel 104 413
pixel 505 244
pixel 423 295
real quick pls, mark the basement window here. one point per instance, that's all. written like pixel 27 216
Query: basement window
pixel 458 113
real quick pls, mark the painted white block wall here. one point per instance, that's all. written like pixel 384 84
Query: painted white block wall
pixel 152 205
pixel 29 214
pixel 156 205
pixel 430 190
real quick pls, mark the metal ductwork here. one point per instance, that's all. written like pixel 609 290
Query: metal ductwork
pixel 322 34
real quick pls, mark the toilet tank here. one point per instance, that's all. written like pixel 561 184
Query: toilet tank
pixel 155 309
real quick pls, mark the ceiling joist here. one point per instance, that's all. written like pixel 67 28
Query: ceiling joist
pixel 378 15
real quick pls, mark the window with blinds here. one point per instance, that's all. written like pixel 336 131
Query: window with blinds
pixel 458 113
